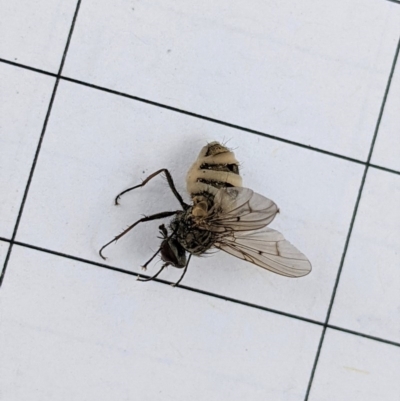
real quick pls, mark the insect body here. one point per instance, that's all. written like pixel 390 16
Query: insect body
pixel 223 215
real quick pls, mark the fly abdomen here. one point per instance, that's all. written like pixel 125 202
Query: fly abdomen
pixel 216 167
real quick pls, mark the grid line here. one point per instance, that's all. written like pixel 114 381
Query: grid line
pixel 378 122
pixel 211 294
pixel 325 325
pixel 388 170
pixel 32 170
pixel 213 120
pixel 27 67
pixel 202 117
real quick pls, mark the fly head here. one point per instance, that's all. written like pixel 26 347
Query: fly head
pixel 172 251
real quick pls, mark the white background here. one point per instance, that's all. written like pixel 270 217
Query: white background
pixel 307 94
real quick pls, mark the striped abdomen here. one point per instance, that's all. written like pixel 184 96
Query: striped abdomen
pixel 216 167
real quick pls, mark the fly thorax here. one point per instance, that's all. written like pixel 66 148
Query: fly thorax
pixel 189 234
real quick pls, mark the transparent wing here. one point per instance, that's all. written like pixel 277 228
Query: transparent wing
pixel 268 249
pixel 240 209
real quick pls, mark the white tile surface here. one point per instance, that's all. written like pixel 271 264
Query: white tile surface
pixel 368 297
pixel 310 72
pixel 75 331
pixel 387 147
pixel 24 99
pixel 3 251
pixel 35 32
pixel 98 144
pixel 313 72
pixel 353 368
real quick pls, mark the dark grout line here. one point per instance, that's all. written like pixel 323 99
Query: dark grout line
pixel 367 164
pixel 389 170
pixel 224 123
pixel 213 120
pixel 191 114
pixel 192 289
pixel 346 245
pixel 203 292
pixel 35 159
pixel 369 337
pixel 360 191
pixel 32 170
pixel 27 67
pixel 364 176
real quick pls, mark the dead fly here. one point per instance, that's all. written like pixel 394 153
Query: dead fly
pixel 223 215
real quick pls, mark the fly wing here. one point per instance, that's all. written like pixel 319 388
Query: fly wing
pixel 240 209
pixel 268 249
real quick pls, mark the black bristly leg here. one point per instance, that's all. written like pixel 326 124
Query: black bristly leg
pixel 153 277
pixel 170 183
pixel 144 267
pixel 184 272
pixel 142 220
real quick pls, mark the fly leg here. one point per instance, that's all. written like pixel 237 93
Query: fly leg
pixel 184 272
pixel 171 184
pixel 142 220
pixel 144 267
pixel 153 277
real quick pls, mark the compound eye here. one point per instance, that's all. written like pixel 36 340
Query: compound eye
pixel 167 254
pixel 173 253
